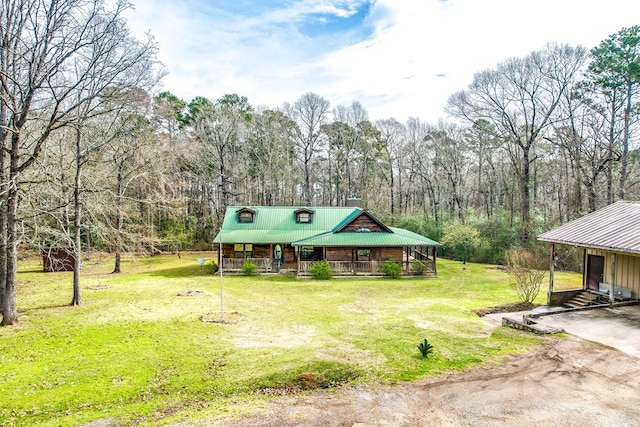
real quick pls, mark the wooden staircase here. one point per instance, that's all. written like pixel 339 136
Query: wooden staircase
pixel 583 299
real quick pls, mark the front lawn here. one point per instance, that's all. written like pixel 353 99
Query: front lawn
pixel 136 351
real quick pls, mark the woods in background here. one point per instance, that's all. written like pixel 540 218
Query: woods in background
pixel 93 158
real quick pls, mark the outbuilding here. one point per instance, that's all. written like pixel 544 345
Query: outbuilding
pixel 610 239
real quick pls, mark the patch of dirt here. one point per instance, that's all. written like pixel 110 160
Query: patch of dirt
pixel 283 338
pixel 191 294
pixel 211 317
pixel 506 308
pixel 568 382
pixel 305 381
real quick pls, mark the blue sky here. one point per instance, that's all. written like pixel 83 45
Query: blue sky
pixel 399 58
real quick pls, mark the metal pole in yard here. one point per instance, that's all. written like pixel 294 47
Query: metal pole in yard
pixel 220 270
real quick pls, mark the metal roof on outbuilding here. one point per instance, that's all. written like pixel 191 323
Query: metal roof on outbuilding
pixel 614 228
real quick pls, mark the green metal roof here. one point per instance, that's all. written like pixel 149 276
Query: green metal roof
pixel 277 224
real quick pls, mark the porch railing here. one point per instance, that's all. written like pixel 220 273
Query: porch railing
pixel 262 264
pixel 365 267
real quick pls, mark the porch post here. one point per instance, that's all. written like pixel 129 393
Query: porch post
pixel 297 259
pixel 551 269
pixel 407 249
pixel 584 269
pixel 613 278
pixel 435 271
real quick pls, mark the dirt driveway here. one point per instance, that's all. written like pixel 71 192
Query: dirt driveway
pixel 568 382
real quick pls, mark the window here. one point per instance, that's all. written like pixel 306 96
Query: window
pixel 306 252
pixel 238 250
pixel 363 230
pixel 243 250
pixel 245 216
pixel 364 253
pixel 304 217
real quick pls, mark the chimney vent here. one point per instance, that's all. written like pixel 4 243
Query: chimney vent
pixel 354 202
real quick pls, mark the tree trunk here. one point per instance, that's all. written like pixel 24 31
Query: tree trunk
pixel 610 167
pixel 3 199
pixel 77 221
pixel 622 192
pixel 116 268
pixel 119 220
pixel 9 310
pixel 307 183
pixel 526 194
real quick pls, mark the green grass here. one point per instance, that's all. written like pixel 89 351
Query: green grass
pixel 137 352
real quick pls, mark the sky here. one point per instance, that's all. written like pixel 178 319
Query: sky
pixel 398 58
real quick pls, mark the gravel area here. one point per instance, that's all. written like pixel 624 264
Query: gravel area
pixel 568 382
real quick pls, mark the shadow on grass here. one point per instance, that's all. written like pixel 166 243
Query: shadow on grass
pixel 38 270
pixel 32 310
pixel 184 271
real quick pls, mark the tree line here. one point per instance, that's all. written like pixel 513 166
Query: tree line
pixel 93 157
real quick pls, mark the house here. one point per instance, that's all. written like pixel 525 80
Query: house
pixel 351 239
pixel 610 239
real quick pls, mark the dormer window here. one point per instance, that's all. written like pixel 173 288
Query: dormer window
pixel 246 215
pixel 304 216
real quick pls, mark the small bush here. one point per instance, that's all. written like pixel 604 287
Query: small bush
pixel 248 268
pixel 321 270
pixel 391 269
pixel 526 272
pixel 419 267
pixel 214 267
pixel 425 348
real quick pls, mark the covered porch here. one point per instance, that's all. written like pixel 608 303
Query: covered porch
pixel 610 242
pixel 607 279
pixel 362 261
pixel 368 261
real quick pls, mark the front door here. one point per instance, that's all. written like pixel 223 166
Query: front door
pixel 595 271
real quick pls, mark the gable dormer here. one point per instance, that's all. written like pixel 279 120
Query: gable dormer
pixel 304 216
pixel 364 222
pixel 246 215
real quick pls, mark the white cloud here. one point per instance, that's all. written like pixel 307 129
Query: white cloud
pixel 421 51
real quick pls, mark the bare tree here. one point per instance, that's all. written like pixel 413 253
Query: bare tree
pixel 519 98
pixel 220 129
pixel 392 141
pixel 55 58
pixel 125 154
pixel 309 113
pixel 270 149
pixel 448 144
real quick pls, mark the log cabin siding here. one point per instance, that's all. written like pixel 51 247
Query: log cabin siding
pixel 394 254
pixel 262 251
pixel 377 254
pixel 363 221
pixel 339 254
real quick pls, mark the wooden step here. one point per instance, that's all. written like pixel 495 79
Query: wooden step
pixel 583 299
